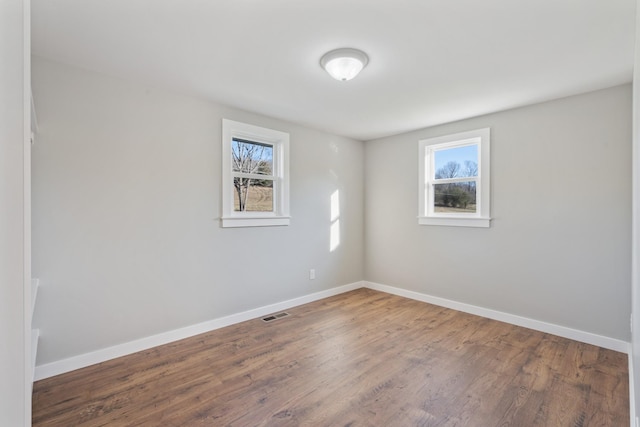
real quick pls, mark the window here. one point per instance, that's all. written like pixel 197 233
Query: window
pixel 255 176
pixel 455 180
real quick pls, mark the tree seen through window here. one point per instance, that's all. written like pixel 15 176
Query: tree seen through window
pixel 252 168
pixel 455 193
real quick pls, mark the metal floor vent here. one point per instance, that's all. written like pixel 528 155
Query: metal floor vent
pixel 275 317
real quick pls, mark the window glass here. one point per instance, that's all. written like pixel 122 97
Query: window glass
pixel 458 197
pixel 252 195
pixel 456 162
pixel 252 157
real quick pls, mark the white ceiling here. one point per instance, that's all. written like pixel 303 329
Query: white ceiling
pixel 431 61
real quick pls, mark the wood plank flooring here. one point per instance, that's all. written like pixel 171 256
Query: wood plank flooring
pixel 363 358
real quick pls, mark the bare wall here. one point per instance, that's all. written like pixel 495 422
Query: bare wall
pixel 558 249
pixel 635 233
pixel 15 369
pixel 126 200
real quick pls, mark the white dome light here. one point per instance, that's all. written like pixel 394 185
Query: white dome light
pixel 344 64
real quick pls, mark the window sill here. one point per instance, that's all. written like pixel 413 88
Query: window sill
pixel 455 221
pixel 272 221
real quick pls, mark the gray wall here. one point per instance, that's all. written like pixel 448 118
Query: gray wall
pixel 635 285
pixel 558 249
pixel 15 398
pixel 127 244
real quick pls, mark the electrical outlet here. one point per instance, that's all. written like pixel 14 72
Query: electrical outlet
pixel 312 274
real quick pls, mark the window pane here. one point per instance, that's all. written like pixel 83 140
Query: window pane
pixel 459 197
pixel 456 162
pixel 252 157
pixel 252 195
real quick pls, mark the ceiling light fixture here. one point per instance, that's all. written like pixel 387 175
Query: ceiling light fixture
pixel 345 63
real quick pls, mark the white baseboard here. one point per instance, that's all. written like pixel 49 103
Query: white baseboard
pixel 562 331
pixel 102 355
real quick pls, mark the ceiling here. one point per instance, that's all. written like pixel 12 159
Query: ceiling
pixel 431 61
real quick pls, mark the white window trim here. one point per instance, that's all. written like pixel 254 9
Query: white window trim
pixel 280 142
pixel 482 217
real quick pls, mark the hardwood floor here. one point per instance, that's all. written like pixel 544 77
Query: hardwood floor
pixel 363 358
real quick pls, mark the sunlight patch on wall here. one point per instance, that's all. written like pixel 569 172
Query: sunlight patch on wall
pixel 334 236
